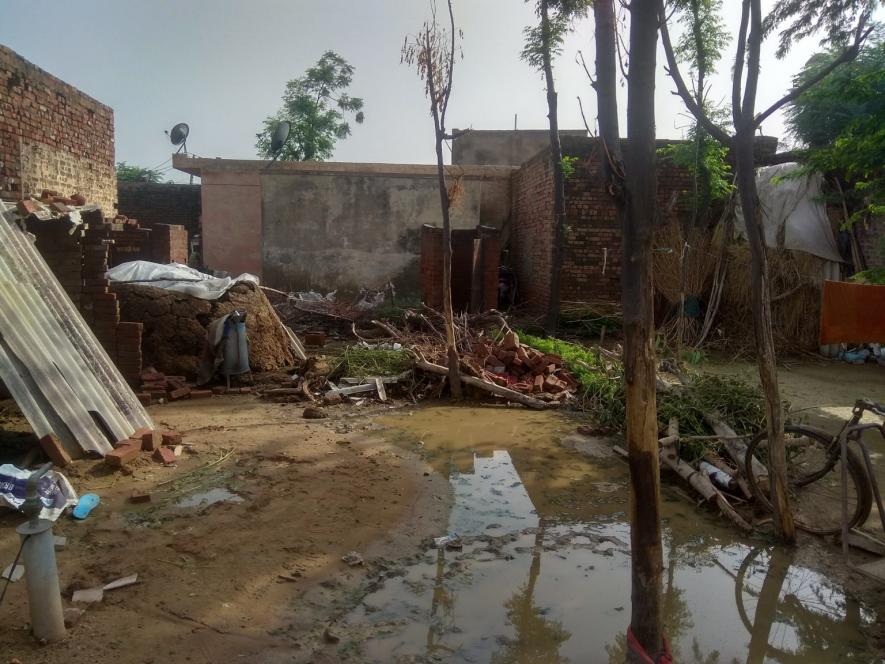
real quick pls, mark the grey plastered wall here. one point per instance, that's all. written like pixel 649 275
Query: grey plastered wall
pixel 348 230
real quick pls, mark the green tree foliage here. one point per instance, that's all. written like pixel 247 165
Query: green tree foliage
pixel 842 122
pixel 316 105
pixel 561 15
pixel 798 19
pixel 127 173
pixel 704 36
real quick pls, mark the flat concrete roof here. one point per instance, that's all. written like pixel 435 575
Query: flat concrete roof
pixel 196 166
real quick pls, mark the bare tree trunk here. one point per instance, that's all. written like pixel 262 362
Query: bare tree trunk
pixel 448 312
pixel 558 248
pixel 606 86
pixel 745 175
pixel 639 358
pixel 765 355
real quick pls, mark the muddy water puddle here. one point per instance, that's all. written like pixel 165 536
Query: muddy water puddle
pixel 543 569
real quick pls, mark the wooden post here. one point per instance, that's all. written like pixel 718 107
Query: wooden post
pixel 639 357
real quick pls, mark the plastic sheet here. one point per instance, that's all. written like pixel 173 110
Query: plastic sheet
pixel 794 215
pixel 176 277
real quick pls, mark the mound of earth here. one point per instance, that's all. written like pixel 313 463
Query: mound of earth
pixel 175 326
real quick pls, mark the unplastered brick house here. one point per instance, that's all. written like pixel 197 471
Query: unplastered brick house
pixel 53 136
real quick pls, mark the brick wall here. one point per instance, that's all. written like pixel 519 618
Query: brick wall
pixel 52 136
pixel 531 231
pixel 151 204
pixel 591 266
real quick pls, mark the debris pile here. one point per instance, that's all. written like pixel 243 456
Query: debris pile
pixel 514 365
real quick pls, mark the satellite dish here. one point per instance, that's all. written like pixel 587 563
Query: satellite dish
pixel 178 136
pixel 279 138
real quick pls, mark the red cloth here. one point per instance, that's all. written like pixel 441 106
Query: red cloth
pixel 852 313
pixel 664 657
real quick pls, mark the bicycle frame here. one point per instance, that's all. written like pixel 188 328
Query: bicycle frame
pixel 853 430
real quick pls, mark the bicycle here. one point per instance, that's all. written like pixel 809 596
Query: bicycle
pixel 814 490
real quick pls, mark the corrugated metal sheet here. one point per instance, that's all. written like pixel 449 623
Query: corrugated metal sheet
pixel 50 360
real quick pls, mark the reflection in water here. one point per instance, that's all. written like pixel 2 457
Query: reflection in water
pixel 544 572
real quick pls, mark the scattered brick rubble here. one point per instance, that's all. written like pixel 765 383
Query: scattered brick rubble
pixel 519 367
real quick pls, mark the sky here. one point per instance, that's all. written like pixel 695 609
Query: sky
pixel 221 66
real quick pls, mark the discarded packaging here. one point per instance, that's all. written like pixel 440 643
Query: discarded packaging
pixel 13 574
pixel 54 490
pixel 449 541
pixel 353 559
pixel 130 580
pixel 88 596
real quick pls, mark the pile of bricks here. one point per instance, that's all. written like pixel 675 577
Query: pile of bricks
pixel 165 448
pixel 157 387
pixel 522 368
pixel 60 246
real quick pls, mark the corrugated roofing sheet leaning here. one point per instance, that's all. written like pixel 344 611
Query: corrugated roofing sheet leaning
pixel 50 360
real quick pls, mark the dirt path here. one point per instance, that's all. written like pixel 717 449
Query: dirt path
pixel 209 576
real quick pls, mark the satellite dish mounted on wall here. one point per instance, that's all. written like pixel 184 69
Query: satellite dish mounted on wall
pixel 278 140
pixel 178 136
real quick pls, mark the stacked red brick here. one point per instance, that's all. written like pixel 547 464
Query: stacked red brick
pixel 157 387
pixel 169 243
pixel 60 245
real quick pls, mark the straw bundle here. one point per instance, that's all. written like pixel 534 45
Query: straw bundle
pixel 684 265
pixel 795 280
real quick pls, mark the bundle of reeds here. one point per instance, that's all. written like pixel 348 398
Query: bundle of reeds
pixel 684 264
pixel 795 280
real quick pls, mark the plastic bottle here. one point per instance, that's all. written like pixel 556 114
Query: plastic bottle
pixel 718 477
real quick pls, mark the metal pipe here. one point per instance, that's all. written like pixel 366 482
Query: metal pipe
pixel 41 571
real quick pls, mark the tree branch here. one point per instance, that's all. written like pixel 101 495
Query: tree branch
pixel 451 72
pixel 580 58
pixel 754 48
pixel 739 57
pixel 682 90
pixel 847 55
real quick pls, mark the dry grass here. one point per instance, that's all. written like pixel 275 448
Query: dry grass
pixel 795 285
pixel 684 264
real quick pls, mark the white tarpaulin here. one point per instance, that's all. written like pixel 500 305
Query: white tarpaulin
pixel 176 277
pixel 794 214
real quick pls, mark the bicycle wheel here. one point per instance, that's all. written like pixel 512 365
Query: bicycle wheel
pixel 814 477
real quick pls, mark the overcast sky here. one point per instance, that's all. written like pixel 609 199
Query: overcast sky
pixel 221 66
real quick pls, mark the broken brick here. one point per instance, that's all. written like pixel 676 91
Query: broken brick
pixel 510 341
pixel 151 440
pixel 179 393
pixel 122 455
pixel 200 394
pixel 171 438
pixel 53 448
pixel 28 207
pixel 140 497
pixel 165 455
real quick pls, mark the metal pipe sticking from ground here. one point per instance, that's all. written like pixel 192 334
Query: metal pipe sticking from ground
pixel 41 571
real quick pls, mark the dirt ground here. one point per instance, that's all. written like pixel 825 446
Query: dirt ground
pixel 209 586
